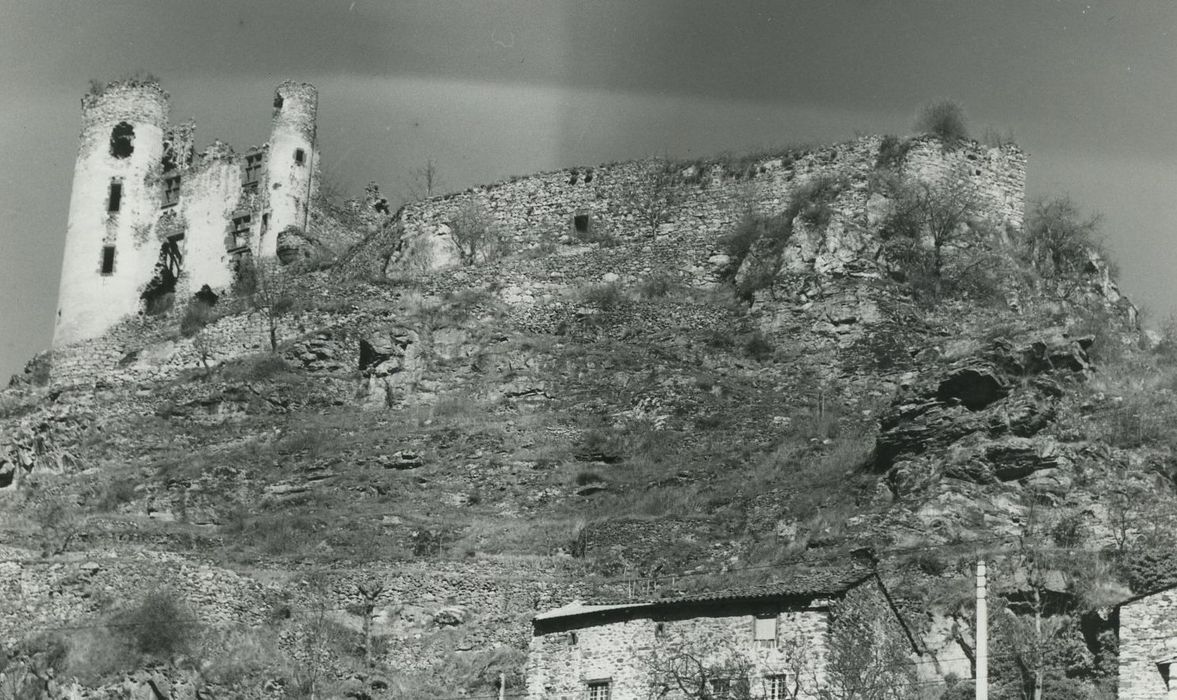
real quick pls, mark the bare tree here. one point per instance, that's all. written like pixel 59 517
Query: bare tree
pixel 700 671
pixel 202 346
pixel 474 233
pixel 371 593
pixel 940 212
pixel 425 181
pixel 269 288
pixel 869 657
pixel 1059 242
pixel 656 196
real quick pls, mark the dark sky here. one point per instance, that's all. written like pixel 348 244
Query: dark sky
pixel 495 88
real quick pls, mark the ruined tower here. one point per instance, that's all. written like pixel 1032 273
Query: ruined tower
pixel 152 222
pixel 291 163
pixel 110 254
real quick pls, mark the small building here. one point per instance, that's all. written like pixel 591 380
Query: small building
pixel 771 641
pixel 1148 646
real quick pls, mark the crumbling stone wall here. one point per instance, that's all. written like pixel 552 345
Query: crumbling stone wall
pixel 542 209
pixel 46 595
pixel 471 604
pixel 1148 636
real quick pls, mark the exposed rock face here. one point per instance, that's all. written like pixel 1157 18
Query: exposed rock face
pixel 977 424
pixel 391 364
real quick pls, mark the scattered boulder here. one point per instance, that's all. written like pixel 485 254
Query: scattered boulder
pixel 403 459
pixel 450 616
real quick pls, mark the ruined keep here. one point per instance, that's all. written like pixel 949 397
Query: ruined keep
pixel 151 220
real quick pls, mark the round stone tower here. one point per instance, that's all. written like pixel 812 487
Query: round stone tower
pixel 109 251
pixel 291 163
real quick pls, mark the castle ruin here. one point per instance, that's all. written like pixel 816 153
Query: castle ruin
pixel 150 219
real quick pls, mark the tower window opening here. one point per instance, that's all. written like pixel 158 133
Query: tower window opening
pixel 116 197
pixel 171 190
pixel 241 230
pixel 121 140
pixel 277 101
pixel 253 170
pixel 108 260
pixel 300 156
pixel 581 223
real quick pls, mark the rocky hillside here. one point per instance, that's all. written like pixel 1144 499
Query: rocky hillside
pixel 456 430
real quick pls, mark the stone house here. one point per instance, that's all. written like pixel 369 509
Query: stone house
pixel 1148 645
pixel 769 641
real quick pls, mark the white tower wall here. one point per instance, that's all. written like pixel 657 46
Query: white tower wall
pixel 91 300
pixel 289 184
pixel 208 197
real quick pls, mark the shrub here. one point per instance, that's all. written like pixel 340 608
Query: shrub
pixel 587 476
pixel 95 655
pixel 944 119
pixel 113 493
pixel 288 534
pixel 604 296
pixel 1058 240
pixel 738 243
pixel 813 200
pixel 236 656
pixel 656 286
pixel 158 625
pixel 758 346
pixel 892 151
pixel 196 316
pixel 255 368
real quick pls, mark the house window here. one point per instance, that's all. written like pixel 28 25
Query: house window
pixel 171 190
pixel 107 259
pixel 580 222
pixel 764 631
pixel 777 687
pixel 660 630
pixel 300 156
pixel 116 197
pixel 253 170
pixel 721 687
pixel 572 639
pixel 600 690
pixel 241 230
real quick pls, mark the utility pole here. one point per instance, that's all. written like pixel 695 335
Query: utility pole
pixel 982 681
pixel 502 686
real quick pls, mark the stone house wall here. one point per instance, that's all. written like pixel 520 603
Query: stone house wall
pixel 1148 634
pixel 636 652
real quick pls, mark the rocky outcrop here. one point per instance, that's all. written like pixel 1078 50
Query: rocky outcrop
pixel 391 364
pixel 980 419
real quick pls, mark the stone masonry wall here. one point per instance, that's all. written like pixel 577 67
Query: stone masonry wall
pixel 1148 634
pixel 635 653
pixel 541 209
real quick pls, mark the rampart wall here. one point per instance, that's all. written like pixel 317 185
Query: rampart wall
pixel 613 201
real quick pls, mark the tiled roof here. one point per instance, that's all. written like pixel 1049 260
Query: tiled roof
pixel 796 583
pixel 818 584
pixel 577 607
